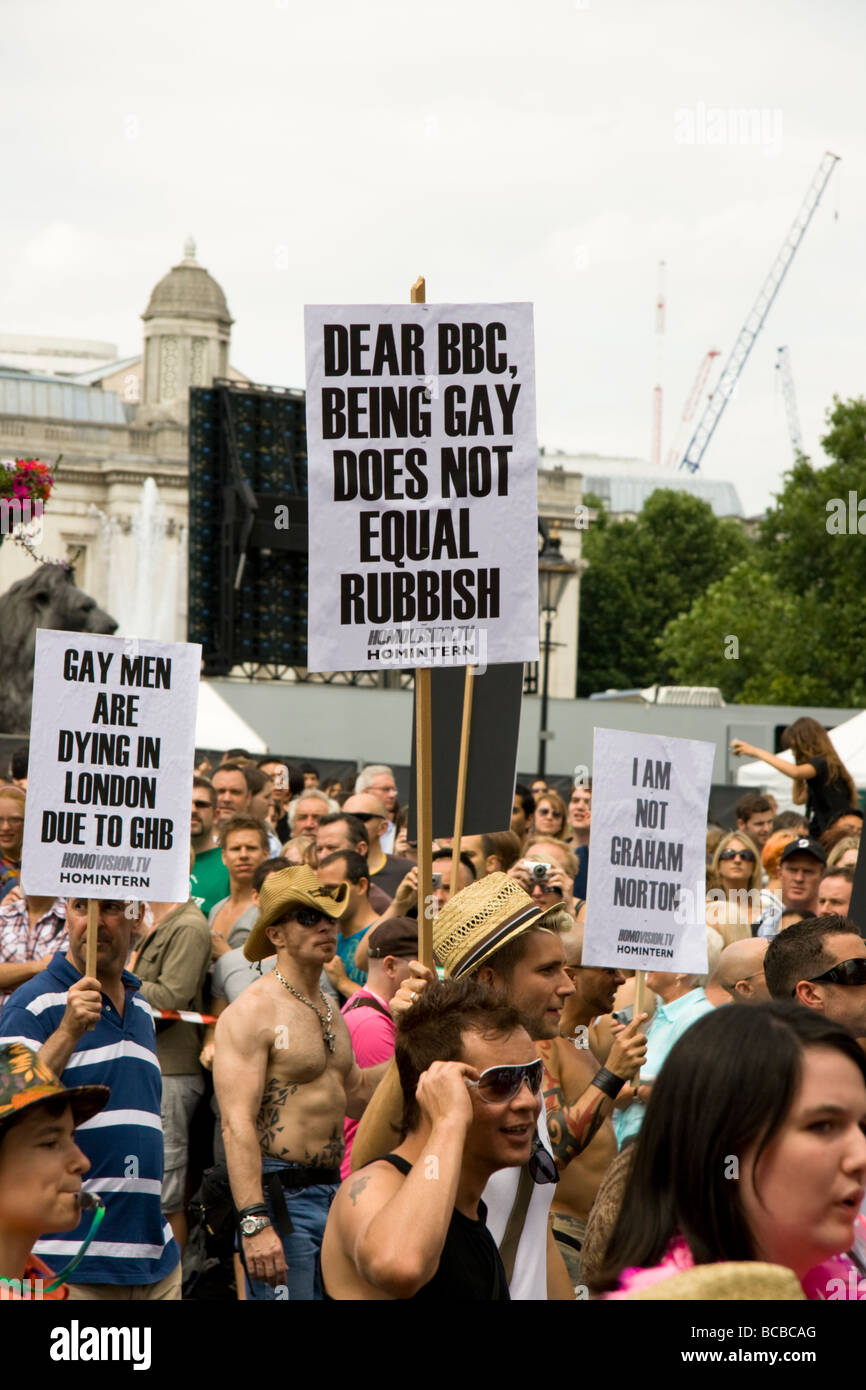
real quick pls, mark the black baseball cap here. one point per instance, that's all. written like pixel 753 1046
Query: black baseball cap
pixel 803 846
pixel 396 936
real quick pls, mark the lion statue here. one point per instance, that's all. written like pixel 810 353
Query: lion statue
pixel 48 598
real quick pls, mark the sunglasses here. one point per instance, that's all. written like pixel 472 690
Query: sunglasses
pixel 738 854
pixel 847 972
pixel 497 1085
pixel 542 1165
pixel 202 805
pixel 305 917
pixel 366 816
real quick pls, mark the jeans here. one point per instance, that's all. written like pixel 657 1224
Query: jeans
pixel 308 1208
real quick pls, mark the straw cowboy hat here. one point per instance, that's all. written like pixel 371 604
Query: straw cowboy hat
pixel 479 920
pixel 727 1282
pixel 294 887
pixel 25 1081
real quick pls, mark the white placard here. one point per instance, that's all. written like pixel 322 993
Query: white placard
pixel 423 485
pixel 112 752
pixel 646 886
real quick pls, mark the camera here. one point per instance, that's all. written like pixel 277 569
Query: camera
pixel 436 880
pixel 538 871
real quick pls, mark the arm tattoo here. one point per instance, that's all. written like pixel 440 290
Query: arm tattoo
pixel 357 1188
pixel 270 1113
pixel 572 1128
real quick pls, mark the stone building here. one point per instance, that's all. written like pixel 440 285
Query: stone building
pixel 121 501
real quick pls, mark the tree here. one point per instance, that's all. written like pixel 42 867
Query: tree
pixel 742 635
pixel 796 604
pixel 642 574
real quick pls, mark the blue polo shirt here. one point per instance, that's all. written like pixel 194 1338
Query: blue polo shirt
pixel 134 1244
pixel 666 1027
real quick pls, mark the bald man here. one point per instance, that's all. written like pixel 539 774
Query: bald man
pixel 741 971
pixel 386 870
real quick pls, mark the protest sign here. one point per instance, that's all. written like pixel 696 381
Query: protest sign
pixel 112 746
pixel 646 892
pixel 422 475
pixel 492 750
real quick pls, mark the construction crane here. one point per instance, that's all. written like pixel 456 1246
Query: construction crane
pixel 691 406
pixel 754 323
pixel 783 367
pixel 656 438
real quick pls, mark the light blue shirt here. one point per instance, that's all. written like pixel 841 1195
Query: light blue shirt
pixel 666 1027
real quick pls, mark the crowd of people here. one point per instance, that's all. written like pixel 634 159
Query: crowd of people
pixel 331 1119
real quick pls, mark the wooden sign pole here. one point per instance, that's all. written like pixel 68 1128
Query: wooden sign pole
pixel 92 934
pixel 462 775
pixel 90 947
pixel 424 773
pixel 639 996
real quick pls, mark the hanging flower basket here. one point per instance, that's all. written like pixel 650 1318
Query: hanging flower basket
pixel 25 486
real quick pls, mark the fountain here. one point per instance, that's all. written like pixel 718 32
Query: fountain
pixel 143 570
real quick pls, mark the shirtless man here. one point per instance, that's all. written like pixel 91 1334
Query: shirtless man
pixel 244 844
pixel 285 1080
pixel 570 1066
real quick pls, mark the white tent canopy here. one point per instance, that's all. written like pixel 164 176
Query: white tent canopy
pixel 219 727
pixel 849 740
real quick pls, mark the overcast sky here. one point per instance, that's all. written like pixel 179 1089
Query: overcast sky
pixel 330 152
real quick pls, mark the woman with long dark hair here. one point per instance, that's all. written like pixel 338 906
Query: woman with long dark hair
pixel 752 1149
pixel 822 782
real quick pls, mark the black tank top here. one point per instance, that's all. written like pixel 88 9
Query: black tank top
pixel 470 1267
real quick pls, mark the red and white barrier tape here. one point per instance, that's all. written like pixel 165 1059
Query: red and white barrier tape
pixel 183 1015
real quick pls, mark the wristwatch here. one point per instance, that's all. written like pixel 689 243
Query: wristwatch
pixel 251 1225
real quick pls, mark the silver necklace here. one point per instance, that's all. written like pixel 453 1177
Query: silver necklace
pixel 324 1018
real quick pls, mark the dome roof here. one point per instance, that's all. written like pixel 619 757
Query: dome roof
pixel 188 291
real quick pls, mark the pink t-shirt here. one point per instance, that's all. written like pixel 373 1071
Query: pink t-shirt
pixel 372 1033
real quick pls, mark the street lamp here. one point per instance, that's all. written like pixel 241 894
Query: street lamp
pixel 554 573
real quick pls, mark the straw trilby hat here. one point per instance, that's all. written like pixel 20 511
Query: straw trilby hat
pixel 294 887
pixel 480 919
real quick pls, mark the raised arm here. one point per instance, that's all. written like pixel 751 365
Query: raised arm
pixel 398 1245
pixel 572 1126
pixel 380 1128
pixel 361 1082
pixel 801 772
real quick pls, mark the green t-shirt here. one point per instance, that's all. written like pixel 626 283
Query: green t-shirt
pixel 209 880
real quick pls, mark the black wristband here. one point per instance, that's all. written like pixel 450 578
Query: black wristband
pixel 608 1082
pixel 257 1209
